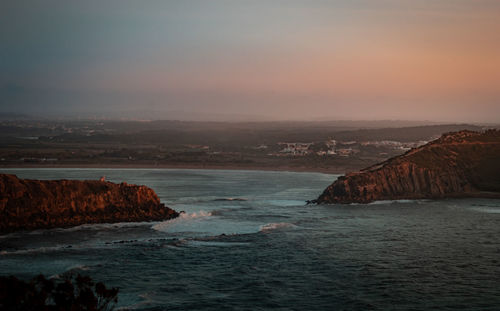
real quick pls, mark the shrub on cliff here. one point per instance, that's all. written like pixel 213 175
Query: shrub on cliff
pixel 72 293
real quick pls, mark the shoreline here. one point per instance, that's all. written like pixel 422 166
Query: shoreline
pixel 333 171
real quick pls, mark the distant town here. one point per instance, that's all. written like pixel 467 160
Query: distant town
pixel 332 147
pixel 313 146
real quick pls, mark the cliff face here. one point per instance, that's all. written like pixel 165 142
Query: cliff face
pixel 460 164
pixel 32 204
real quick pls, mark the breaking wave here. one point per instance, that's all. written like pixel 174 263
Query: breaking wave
pixel 486 209
pixel 182 218
pixel 275 226
pixel 403 201
pixel 193 215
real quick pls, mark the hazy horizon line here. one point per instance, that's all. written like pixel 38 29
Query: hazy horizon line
pixel 13 116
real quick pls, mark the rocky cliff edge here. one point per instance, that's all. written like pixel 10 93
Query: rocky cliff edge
pixel 458 164
pixel 33 204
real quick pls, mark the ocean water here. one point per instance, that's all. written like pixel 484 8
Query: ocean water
pixel 248 242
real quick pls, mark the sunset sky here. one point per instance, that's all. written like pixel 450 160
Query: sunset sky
pixel 433 60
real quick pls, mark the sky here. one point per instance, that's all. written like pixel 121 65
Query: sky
pixel 436 60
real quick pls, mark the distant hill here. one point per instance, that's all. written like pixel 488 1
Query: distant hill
pixel 404 134
pixel 459 164
pixel 229 144
pixel 13 116
pixel 235 134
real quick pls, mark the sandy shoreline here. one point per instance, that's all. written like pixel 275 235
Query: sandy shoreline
pixel 336 171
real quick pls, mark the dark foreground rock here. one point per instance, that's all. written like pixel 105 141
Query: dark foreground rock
pixel 71 293
pixel 459 164
pixel 33 204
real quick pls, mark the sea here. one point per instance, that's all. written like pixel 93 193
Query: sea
pixel 248 241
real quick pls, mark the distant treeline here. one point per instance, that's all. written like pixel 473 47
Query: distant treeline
pixel 254 136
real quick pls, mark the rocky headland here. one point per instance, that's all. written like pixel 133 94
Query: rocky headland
pixel 458 164
pixel 34 204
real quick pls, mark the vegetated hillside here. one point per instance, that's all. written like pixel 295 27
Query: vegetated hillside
pixel 210 144
pixel 228 134
pixel 404 134
pixel 460 164
pixel 33 204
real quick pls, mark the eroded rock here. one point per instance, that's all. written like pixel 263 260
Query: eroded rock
pixel 32 204
pixel 459 164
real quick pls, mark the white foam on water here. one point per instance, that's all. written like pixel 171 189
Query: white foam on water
pixel 487 210
pixel 202 223
pixel 71 269
pixel 196 214
pixel 166 226
pixel 116 225
pixel 405 201
pixel 86 227
pixel 230 199
pixel 276 225
pixel 66 247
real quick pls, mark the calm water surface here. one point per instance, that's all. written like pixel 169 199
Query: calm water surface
pixel 248 242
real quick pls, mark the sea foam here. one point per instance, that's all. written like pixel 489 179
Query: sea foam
pixel 183 217
pixel 402 201
pixel 274 226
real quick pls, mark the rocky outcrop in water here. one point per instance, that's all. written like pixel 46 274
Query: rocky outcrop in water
pixel 459 164
pixel 32 204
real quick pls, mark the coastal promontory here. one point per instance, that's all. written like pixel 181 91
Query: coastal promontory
pixel 458 164
pixel 34 204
